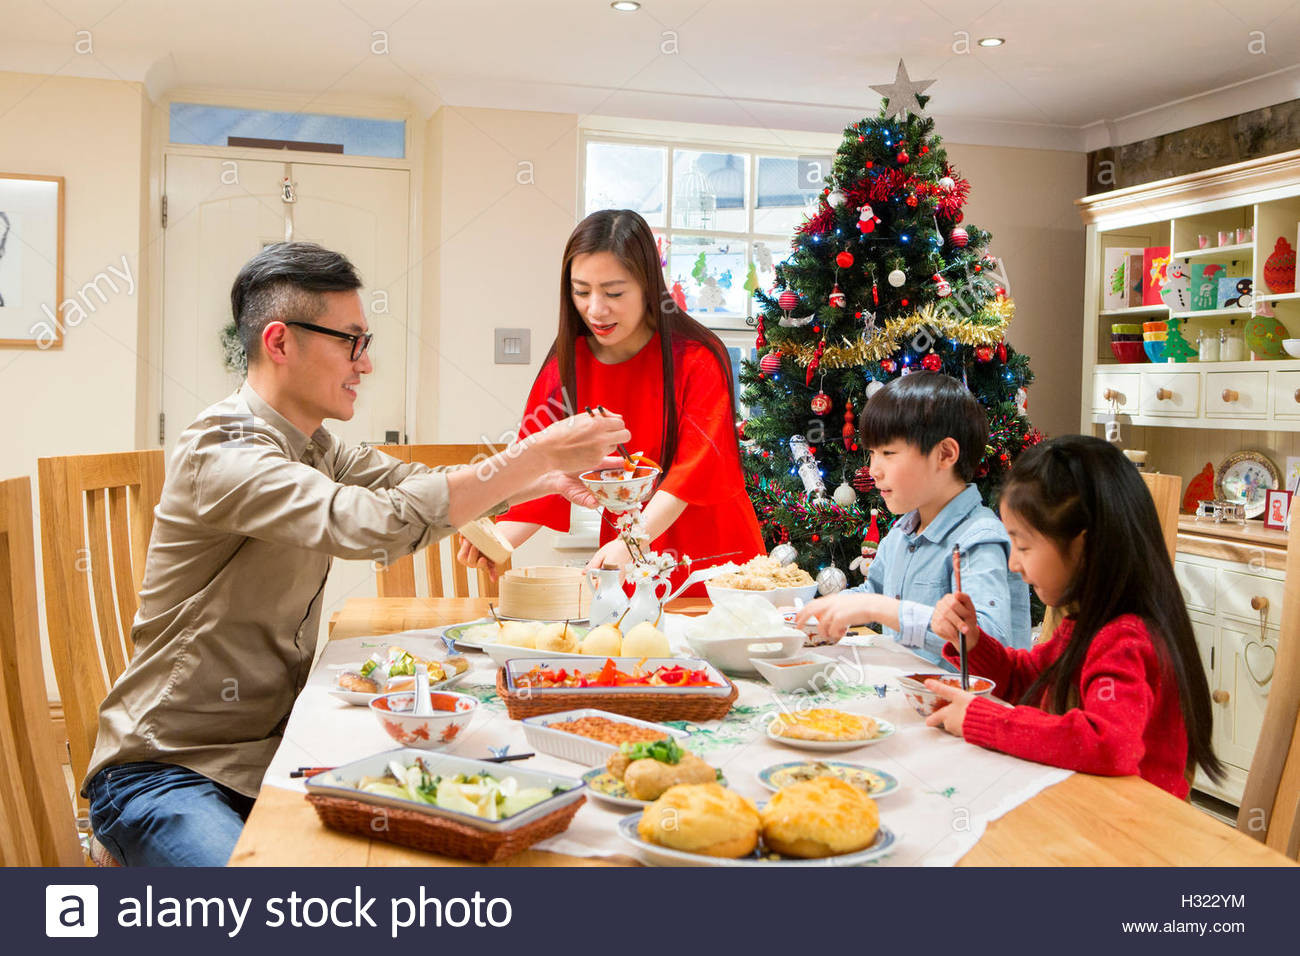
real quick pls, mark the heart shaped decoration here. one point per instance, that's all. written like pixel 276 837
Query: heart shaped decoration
pixel 1259 649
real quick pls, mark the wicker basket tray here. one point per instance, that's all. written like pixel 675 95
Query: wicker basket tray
pixel 650 706
pixel 438 834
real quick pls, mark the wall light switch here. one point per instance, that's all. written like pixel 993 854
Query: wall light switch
pixel 512 346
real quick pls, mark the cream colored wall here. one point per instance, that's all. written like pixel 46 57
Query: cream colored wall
pixel 1025 197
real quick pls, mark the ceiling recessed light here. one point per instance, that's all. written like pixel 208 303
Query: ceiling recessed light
pixel 991 41
pixel 625 6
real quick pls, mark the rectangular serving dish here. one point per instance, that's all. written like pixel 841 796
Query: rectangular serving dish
pixel 579 749
pixel 517 666
pixel 341 783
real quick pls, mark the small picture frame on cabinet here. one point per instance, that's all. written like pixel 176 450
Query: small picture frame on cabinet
pixel 1277 508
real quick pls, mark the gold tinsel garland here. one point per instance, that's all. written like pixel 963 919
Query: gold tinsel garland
pixel 988 326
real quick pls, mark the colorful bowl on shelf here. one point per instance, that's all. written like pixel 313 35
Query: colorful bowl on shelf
pixel 1161 326
pixel 1155 351
pixel 1129 352
pixel 1154 336
pixel 1130 337
pixel 1125 328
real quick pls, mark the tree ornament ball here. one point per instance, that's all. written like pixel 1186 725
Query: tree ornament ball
pixel 889 366
pixel 835 198
pixel 947 184
pixel 902 157
pixel 788 300
pixel 844 260
pixel 845 496
pixel 942 288
pixel 771 362
pixel 830 580
pixel 784 554
pixel 862 480
pixel 931 362
pixel 984 353
pixel 821 403
pixel 958 237
pixel 896 278
pixel 873 387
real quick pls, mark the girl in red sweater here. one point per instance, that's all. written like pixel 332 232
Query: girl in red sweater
pixel 1118 688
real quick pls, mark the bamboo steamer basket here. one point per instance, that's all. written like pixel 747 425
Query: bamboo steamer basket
pixel 545 593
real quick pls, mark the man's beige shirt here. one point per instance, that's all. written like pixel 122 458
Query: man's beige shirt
pixel 252 512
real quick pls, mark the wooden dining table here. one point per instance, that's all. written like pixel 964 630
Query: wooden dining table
pixel 1084 820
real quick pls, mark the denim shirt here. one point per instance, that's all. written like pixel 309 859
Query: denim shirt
pixel 916 568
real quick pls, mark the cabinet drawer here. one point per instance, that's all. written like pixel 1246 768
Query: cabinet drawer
pixel 1125 386
pixel 1198 584
pixel 1286 394
pixel 1236 394
pixel 1235 590
pixel 1175 394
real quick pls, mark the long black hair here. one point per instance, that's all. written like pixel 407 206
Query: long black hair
pixel 1077 483
pixel 627 236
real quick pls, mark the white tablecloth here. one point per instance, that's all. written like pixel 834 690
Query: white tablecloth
pixel 950 792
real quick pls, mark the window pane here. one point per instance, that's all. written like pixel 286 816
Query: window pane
pixel 202 125
pixel 708 274
pixel 626 177
pixel 709 190
pixel 782 204
pixel 767 255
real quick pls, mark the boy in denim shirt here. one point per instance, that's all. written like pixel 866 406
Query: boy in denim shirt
pixel 926 435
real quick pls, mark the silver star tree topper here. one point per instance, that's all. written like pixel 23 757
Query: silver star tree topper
pixel 901 93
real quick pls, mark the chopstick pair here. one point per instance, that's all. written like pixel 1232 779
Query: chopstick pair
pixel 313 771
pixel 622 449
pixel 961 645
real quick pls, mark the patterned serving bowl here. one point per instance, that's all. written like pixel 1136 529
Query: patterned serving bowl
pixel 452 713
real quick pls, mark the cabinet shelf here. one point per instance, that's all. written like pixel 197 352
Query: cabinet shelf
pixel 1134 310
pixel 1214 251
pixel 1212 314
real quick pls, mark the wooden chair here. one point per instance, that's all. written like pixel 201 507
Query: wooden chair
pixel 96 519
pixel 36 816
pixel 1270 804
pixel 398 579
pixel 1166 492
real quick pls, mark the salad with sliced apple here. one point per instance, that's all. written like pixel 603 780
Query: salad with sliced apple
pixel 479 795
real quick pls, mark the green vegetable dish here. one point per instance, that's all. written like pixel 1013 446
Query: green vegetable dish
pixel 666 750
pixel 479 795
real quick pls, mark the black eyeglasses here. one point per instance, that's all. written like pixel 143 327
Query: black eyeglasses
pixel 359 342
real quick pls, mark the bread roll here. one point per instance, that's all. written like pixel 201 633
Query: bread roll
pixel 646 640
pixel 820 817
pixel 647 779
pixel 603 641
pixel 703 818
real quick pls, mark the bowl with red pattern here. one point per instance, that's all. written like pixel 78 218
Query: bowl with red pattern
pixel 621 489
pixel 452 714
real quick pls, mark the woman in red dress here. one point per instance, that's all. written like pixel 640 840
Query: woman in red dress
pixel 623 343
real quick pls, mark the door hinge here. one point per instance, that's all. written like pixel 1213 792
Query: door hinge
pixel 162 427
pixel 164 212
pixel 1211 657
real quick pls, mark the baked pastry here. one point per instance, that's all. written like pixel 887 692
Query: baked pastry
pixel 704 818
pixel 820 817
pixel 823 724
pixel 354 682
pixel 647 778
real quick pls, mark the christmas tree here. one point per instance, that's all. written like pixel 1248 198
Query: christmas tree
pixel 883 281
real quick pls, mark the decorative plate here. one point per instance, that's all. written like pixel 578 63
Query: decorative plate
pixel 877 783
pixel 1245 477
pixel 607 788
pixel 884 730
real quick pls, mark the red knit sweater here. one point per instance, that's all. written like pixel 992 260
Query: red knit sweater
pixel 1129 721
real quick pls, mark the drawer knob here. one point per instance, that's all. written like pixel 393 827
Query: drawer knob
pixel 1111 395
pixel 1220 696
pixel 1296 396
pixel 1230 395
pixel 1259 603
pixel 1163 394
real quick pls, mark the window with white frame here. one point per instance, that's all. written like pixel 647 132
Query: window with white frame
pixel 723 216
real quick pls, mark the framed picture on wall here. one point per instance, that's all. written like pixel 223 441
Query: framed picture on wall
pixel 31 261
pixel 1277 506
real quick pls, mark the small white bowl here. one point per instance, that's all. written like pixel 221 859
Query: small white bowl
pixel 1292 347
pixel 925 702
pixel 800 671
pixel 451 715
pixel 780 597
pixel 736 655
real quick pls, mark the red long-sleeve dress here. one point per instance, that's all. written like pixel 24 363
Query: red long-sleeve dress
pixel 718 523
pixel 1129 720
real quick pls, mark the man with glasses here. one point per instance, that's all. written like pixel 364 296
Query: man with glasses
pixel 258 499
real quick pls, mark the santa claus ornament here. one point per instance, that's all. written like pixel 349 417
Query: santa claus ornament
pixel 870 545
pixel 836 300
pixel 941 287
pixel 867 220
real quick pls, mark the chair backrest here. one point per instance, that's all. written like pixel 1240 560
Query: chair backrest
pixel 37 826
pixel 1166 492
pixel 96 518
pixel 399 578
pixel 1270 804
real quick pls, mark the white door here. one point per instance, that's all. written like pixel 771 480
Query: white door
pixel 222 212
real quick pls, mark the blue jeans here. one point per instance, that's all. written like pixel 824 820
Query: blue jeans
pixel 160 814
